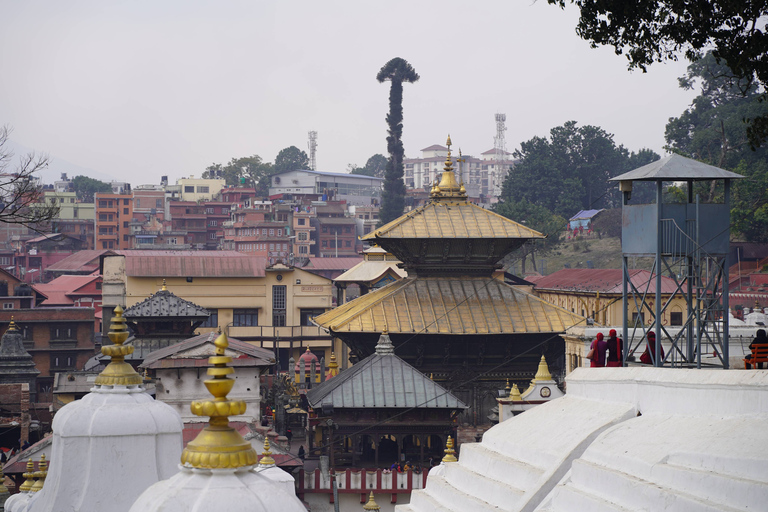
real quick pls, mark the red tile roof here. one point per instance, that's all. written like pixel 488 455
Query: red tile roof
pixel 601 280
pixel 59 290
pixel 192 264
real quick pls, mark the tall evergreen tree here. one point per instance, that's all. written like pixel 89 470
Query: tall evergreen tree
pixel 395 71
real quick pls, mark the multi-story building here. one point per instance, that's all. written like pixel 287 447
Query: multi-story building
pixel 353 188
pixel 75 219
pixel 216 214
pixel 268 306
pixel 336 233
pixel 304 232
pixel 367 218
pixel 199 189
pixel 148 202
pixel 113 216
pixel 189 217
pixel 256 230
pixel 59 339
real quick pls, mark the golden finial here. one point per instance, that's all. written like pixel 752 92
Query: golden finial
pixel 515 394
pixel 450 453
pixel 218 445
pixel 333 366
pixel 432 376
pixel 508 389
pixel 164 288
pixel 371 505
pixel 118 372
pixel 543 372
pixel 12 325
pixel 448 186
pixel 266 459
pixel 40 474
pixel 29 475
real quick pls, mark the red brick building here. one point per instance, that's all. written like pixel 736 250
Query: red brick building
pixel 113 216
pixel 59 339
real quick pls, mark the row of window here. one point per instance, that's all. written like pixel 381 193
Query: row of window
pixel 337 230
pixel 201 189
pixel 332 243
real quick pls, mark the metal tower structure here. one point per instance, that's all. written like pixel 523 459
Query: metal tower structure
pixel 500 147
pixel 689 243
pixel 313 150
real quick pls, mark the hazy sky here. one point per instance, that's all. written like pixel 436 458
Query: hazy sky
pixel 139 89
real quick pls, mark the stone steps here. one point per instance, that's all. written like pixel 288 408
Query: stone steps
pixel 441 496
pixel 485 485
pixel 492 464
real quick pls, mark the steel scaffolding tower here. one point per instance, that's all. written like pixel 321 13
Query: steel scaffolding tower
pixel 689 243
pixel 313 150
pixel 500 147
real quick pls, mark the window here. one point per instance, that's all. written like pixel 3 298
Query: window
pixel 138 202
pixel 158 203
pixel 279 232
pixel 271 247
pixel 75 212
pixel 642 318
pixel 102 204
pixel 325 243
pixel 307 314
pixel 225 210
pixel 213 223
pixel 7 305
pixel 303 236
pixel 126 203
pixel 264 232
pixel 5 260
pixel 213 320
pixel 347 244
pixel 347 229
pixel 245 317
pixel 125 224
pixel 60 332
pixel 325 229
pixel 301 221
pixel 125 210
pixel 62 361
pixel 285 247
pixel 212 235
pixel 278 305
pixel 303 249
pixel 209 211
pixel 126 238
pixel 676 318
pixel 189 189
pixel 271 232
pixel 202 189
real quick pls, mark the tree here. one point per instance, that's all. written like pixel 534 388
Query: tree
pixel 291 159
pixel 86 187
pixel 569 171
pixel 535 217
pixel 20 190
pixel 248 171
pixel 396 71
pixel 711 130
pixel 376 167
pixel 648 31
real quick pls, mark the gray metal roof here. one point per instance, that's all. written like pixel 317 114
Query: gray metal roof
pixel 383 380
pixel 166 304
pixel 676 168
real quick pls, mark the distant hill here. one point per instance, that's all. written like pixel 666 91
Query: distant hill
pixel 56 166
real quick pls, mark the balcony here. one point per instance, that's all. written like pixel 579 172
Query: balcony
pixel 288 333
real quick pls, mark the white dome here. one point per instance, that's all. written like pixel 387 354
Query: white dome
pixel 233 490
pixel 277 475
pixel 17 502
pixel 107 449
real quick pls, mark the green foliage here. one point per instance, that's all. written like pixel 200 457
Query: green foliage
pixel 608 223
pixel 535 217
pixel 712 130
pixel 291 159
pixel 86 187
pixel 376 167
pixel 569 171
pixel 650 31
pixel 395 71
pixel 248 171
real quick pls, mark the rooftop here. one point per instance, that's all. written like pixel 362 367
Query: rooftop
pixel 601 280
pixel 676 168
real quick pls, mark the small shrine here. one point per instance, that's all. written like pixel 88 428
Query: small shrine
pixel 378 268
pixel 16 364
pixel 380 411
pixel 542 389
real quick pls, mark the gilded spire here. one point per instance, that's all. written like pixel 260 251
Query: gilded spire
pixel 164 288
pixel 12 325
pixel 40 474
pixel 29 475
pixel 543 372
pixel 266 459
pixel 333 366
pixel 3 489
pixel 515 394
pixel 118 372
pixel 371 505
pixel 450 453
pixel 508 389
pixel 448 186
pixel 218 445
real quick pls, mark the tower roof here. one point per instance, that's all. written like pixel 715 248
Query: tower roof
pixel 676 168
pixel 165 304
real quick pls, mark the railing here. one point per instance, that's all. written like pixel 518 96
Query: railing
pixel 361 481
pixel 284 333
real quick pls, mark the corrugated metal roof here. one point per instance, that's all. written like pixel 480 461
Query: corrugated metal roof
pixel 155 359
pixel 585 214
pixel 192 264
pixel 448 305
pixel 366 271
pixel 601 280
pixel 78 260
pixel 332 263
pixel 452 220
pixel 166 304
pixel 58 290
pixel 676 168
pixel 383 381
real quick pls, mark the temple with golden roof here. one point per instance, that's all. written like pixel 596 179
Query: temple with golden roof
pixel 450 317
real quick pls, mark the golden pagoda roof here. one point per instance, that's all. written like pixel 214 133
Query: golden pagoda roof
pixel 448 305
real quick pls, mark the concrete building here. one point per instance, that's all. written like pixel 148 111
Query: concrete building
pixel 352 188
pixel 199 189
pixel 268 306
pixel 113 216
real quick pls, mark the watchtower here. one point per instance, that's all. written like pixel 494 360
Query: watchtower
pixel 688 240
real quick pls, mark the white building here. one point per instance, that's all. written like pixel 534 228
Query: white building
pixel 355 189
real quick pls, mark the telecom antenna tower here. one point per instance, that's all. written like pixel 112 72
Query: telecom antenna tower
pixel 313 150
pixel 500 146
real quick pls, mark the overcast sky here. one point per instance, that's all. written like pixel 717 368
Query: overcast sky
pixel 139 89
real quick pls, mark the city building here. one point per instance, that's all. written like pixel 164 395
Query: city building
pixel 259 230
pixel 199 189
pixel 114 213
pixel 355 189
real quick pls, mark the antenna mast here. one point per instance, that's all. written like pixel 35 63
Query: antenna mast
pixel 313 150
pixel 500 146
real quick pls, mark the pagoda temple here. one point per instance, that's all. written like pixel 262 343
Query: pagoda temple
pixel 450 317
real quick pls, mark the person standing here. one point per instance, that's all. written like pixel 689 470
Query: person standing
pixel 597 352
pixel 650 350
pixel 615 349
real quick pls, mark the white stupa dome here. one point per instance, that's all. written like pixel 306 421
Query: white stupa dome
pixel 217 471
pixel 269 469
pixel 112 444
